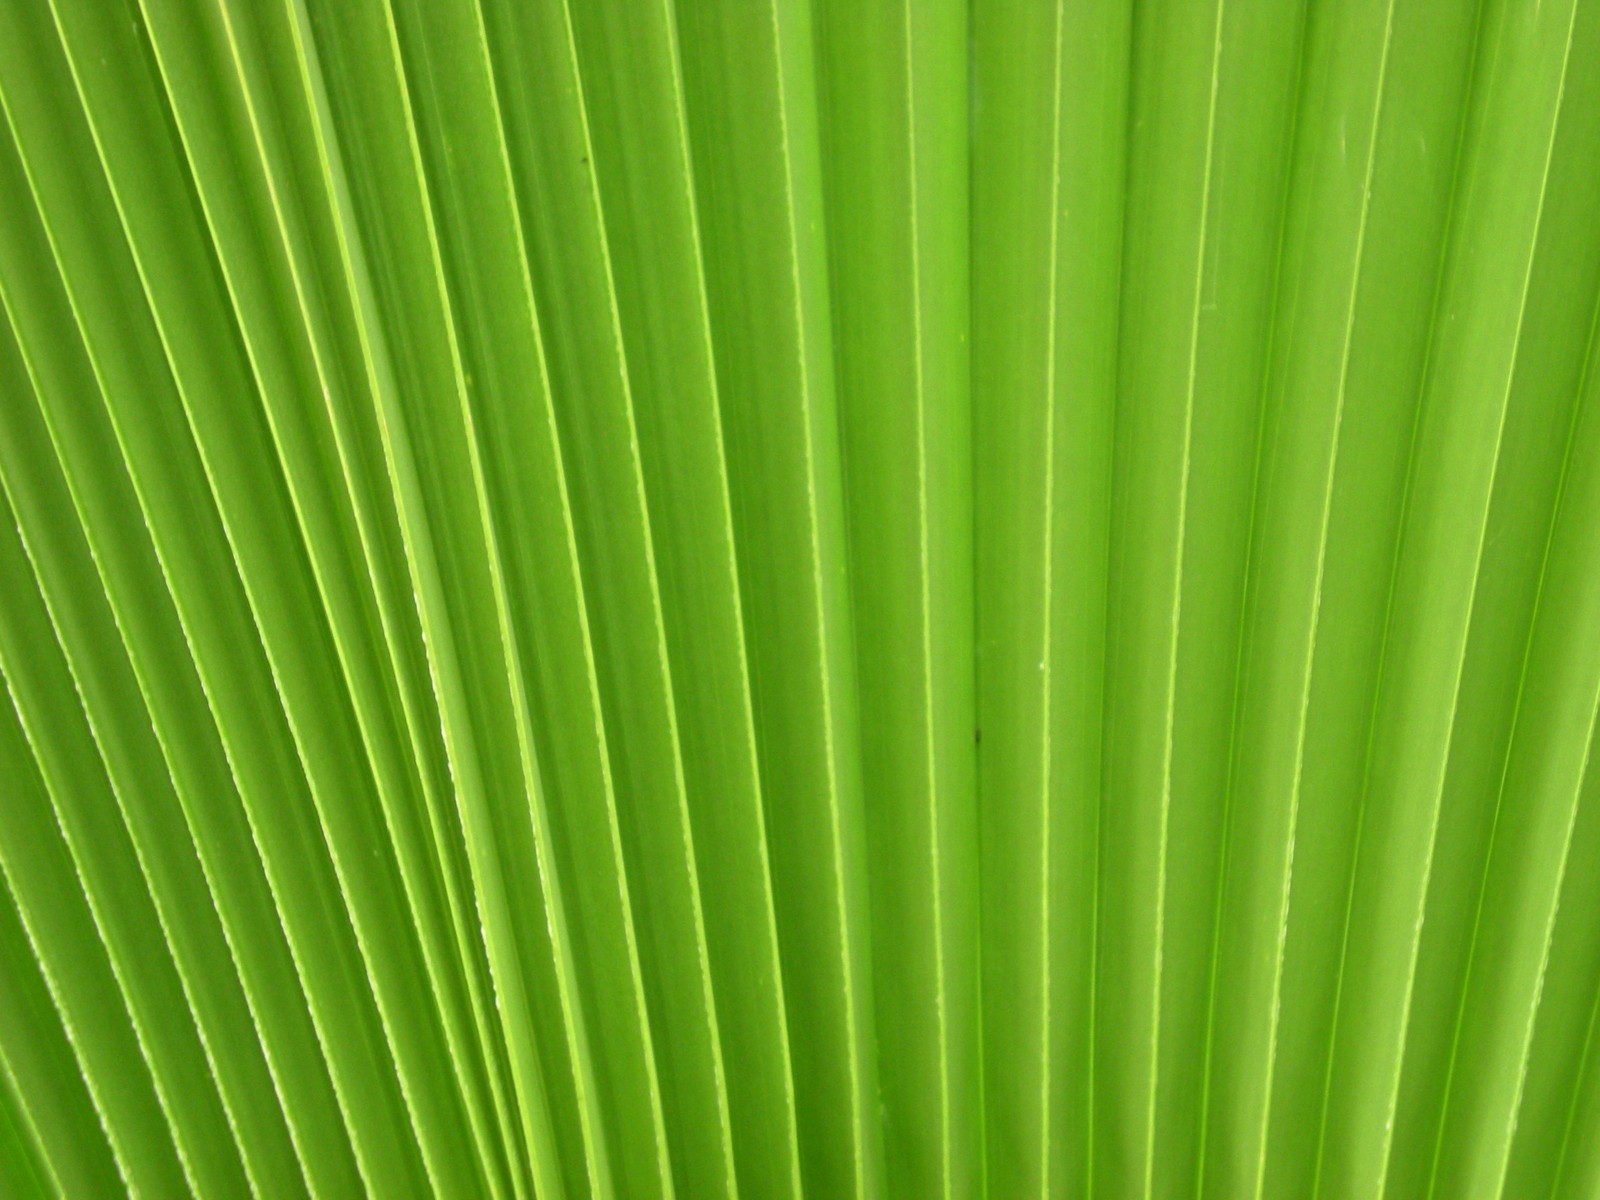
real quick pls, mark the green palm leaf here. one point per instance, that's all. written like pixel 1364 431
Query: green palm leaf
pixel 708 598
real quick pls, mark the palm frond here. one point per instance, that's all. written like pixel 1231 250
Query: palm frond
pixel 708 597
